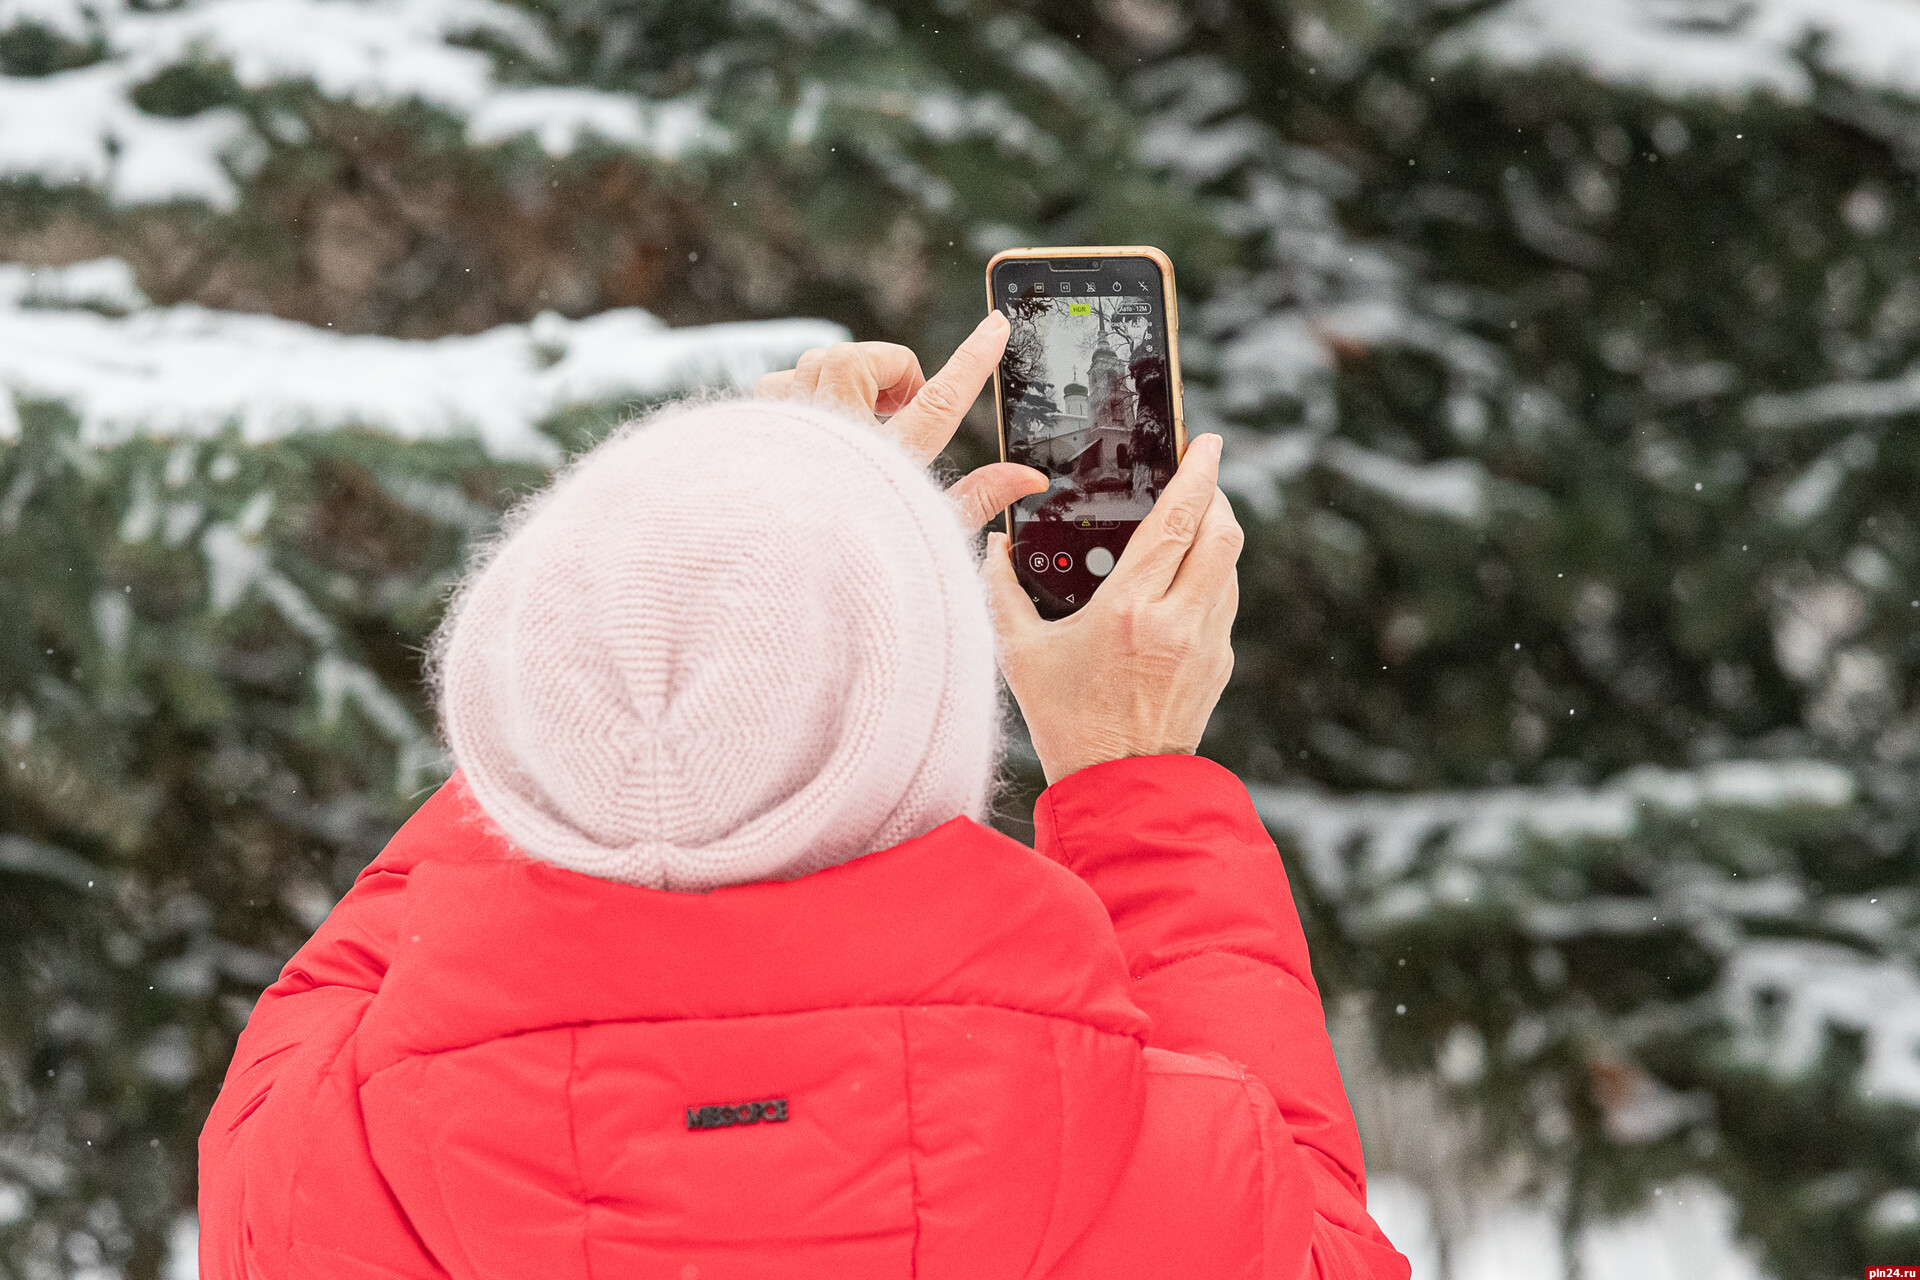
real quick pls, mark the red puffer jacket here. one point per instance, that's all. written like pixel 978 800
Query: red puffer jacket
pixel 952 1058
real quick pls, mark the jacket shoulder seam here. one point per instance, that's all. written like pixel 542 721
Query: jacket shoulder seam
pixel 1201 952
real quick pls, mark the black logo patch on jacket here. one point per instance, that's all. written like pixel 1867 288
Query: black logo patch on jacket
pixel 772 1111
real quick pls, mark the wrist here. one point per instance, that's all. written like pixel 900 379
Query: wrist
pixel 1057 768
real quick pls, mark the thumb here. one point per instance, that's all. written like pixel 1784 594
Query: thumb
pixel 1014 616
pixel 985 492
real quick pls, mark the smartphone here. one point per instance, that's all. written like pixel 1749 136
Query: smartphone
pixel 1089 393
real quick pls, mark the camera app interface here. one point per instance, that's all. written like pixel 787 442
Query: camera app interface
pixel 1086 399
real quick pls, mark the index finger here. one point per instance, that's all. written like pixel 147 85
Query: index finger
pixel 929 420
pixel 1154 553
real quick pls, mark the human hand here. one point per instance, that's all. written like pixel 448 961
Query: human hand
pixel 871 379
pixel 1137 671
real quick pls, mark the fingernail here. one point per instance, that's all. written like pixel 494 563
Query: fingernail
pixel 993 320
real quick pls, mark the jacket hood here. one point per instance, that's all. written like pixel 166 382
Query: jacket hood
pixel 935 1022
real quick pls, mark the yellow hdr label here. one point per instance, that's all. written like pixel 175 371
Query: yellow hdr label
pixel 1079 309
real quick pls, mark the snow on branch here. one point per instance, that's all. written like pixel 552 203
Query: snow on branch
pixel 190 371
pixel 1388 832
pixel 1783 995
pixel 82 127
pixel 1722 47
pixel 1390 859
pixel 1836 401
pixel 1455 488
pixel 104 284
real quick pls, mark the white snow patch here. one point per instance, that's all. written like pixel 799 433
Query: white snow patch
pixel 336 679
pixel 1810 619
pixel 1784 995
pixel 168 1057
pixel 183 1249
pixel 1896 1210
pixel 369 52
pixel 1480 826
pixel 143 512
pixel 1681 47
pixel 1812 491
pixel 234 565
pixel 103 283
pixel 560 118
pixel 1201 154
pixel 112 619
pixel 1282 355
pixel 1686 1233
pixel 237 565
pixel 77 128
pixel 1455 488
pixel 1836 402
pixel 947 116
pixel 190 371
pixel 80 127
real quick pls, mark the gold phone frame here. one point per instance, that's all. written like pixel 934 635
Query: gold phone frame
pixel 1167 300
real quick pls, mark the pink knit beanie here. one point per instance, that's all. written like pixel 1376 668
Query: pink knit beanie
pixel 737 641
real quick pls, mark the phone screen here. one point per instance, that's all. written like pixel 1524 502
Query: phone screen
pixel 1086 397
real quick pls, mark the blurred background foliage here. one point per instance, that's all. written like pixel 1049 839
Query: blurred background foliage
pixel 1569 417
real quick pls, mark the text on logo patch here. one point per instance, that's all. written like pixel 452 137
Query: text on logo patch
pixel 772 1111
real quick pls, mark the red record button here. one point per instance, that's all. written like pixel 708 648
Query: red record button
pixel 1062 561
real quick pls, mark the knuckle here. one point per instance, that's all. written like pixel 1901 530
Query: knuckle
pixel 938 397
pixel 1180 523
